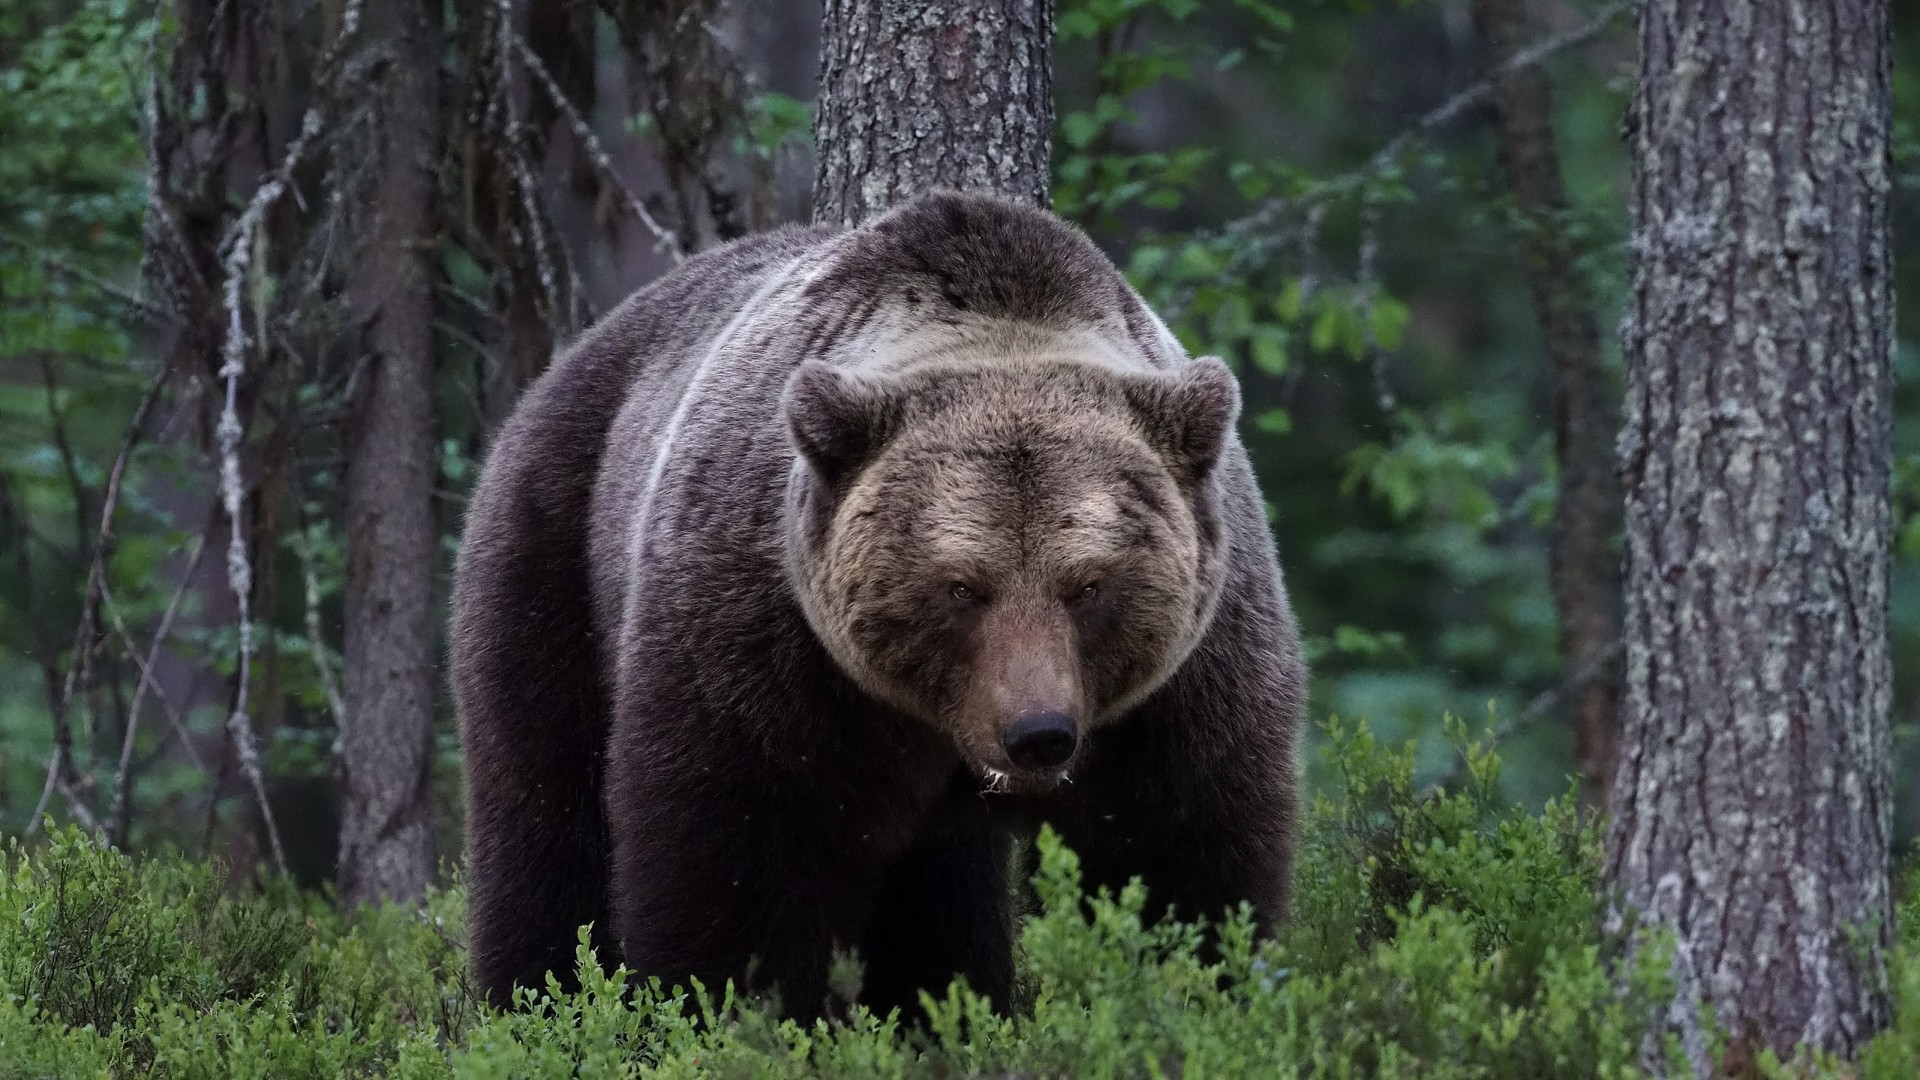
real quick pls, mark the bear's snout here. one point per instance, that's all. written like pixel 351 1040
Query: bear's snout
pixel 1037 741
pixel 1027 707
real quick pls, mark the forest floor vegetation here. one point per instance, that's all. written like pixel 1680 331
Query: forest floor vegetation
pixel 1434 934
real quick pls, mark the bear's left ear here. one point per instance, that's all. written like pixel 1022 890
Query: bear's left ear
pixel 838 421
pixel 1190 413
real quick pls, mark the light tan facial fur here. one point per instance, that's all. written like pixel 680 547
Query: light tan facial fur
pixel 983 541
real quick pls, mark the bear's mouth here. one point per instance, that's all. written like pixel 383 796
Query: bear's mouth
pixel 998 781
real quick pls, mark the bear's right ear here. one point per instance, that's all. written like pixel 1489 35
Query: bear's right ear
pixel 1190 413
pixel 838 421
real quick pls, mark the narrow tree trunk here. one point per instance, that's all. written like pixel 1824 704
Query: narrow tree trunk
pixel 386 827
pixel 951 93
pixel 1586 514
pixel 1751 805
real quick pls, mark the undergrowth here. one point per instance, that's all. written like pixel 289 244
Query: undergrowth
pixel 1433 934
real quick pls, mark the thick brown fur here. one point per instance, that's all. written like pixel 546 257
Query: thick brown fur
pixel 763 577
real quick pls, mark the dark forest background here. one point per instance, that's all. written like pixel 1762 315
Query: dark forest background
pixel 1328 194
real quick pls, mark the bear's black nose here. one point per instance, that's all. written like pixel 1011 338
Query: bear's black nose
pixel 1039 740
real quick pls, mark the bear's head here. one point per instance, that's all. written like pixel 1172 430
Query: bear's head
pixel 1014 550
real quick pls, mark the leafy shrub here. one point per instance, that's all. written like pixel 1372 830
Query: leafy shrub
pixel 1434 934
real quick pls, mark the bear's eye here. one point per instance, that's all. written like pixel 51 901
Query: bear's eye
pixel 961 592
pixel 1087 592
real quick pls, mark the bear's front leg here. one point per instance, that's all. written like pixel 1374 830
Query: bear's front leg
pixel 722 894
pixel 1202 812
pixel 943 911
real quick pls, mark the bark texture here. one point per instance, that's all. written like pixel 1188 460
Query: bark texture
pixel 1586 514
pixel 1751 806
pixel 386 842
pixel 953 93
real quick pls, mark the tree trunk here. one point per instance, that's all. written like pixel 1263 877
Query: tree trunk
pixel 1586 514
pixel 1751 804
pixel 386 841
pixel 953 93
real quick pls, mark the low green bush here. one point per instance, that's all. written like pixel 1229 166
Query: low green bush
pixel 1433 935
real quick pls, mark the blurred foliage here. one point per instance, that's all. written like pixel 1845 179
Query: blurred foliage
pixel 1232 157
pixel 71 202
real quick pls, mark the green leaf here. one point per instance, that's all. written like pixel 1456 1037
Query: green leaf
pixel 1269 344
pixel 1287 304
pixel 1389 321
pixel 1076 25
pixel 1080 128
pixel 1326 329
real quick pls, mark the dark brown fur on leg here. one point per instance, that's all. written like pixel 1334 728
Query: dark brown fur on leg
pixel 527 655
pixel 533 714
pixel 944 911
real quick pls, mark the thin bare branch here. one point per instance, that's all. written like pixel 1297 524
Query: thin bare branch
pixel 60 765
pixel 78 808
pixel 120 813
pixel 1542 704
pixel 509 141
pixel 695 91
pixel 664 239
pixel 21 536
pixel 1263 220
pixel 1369 284
pixel 63 445
pixel 46 792
pixel 349 25
pixel 1482 91
pixel 139 306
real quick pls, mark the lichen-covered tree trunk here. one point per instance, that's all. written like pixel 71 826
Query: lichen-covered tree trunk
pixel 1586 513
pixel 386 834
pixel 1751 805
pixel 950 93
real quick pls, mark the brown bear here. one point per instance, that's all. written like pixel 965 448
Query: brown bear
pixel 818 569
